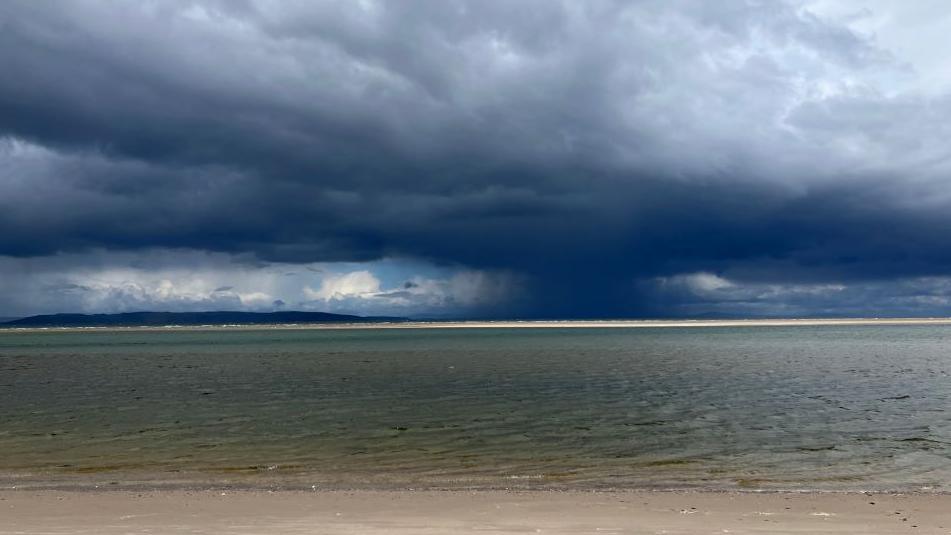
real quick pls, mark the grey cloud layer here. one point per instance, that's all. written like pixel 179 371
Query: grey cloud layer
pixel 585 146
pixel 176 280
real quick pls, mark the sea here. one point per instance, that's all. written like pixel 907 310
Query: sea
pixel 759 408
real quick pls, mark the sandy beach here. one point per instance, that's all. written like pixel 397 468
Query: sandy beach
pixel 489 512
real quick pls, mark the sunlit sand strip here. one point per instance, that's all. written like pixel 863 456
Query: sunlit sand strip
pixel 527 324
pixel 599 324
pixel 457 512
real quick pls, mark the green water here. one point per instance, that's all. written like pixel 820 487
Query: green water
pixel 827 407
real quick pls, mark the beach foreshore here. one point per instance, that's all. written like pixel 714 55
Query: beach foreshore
pixel 454 512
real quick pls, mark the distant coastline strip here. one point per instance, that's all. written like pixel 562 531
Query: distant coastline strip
pixel 404 323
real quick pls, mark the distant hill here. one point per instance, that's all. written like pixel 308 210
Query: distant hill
pixel 142 319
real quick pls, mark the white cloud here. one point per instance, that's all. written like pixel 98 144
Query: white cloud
pixel 909 30
pixel 717 288
pixel 179 280
pixel 700 283
pixel 357 284
pixel 700 293
pixel 361 291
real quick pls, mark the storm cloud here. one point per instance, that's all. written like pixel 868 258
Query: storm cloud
pixel 579 159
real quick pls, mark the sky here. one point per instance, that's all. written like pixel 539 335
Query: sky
pixel 484 158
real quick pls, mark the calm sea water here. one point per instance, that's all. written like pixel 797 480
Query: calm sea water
pixel 828 407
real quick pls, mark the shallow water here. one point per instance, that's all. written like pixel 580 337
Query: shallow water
pixel 804 407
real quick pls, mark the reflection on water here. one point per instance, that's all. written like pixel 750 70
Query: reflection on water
pixel 827 407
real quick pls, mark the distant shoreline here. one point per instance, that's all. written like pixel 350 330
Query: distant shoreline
pixel 502 324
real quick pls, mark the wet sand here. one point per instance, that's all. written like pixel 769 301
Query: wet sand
pixel 487 512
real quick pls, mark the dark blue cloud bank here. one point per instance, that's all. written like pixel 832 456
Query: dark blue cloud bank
pixel 526 158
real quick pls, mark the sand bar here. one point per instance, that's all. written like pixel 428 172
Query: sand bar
pixel 456 512
pixel 528 324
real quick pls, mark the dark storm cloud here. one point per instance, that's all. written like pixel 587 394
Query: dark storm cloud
pixel 584 146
